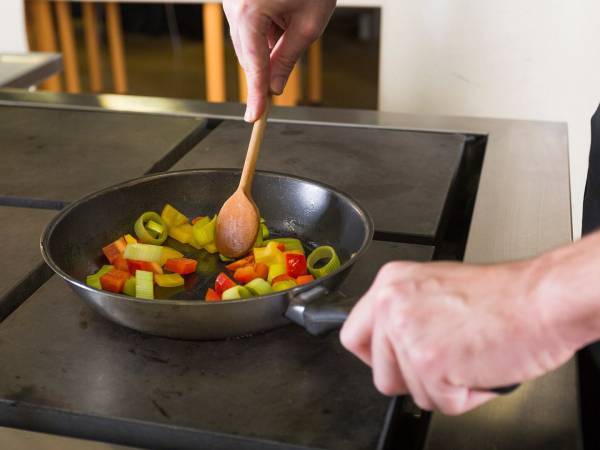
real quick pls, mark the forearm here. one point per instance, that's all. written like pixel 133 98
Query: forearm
pixel 568 291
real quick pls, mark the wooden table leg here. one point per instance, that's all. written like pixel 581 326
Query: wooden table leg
pixel 67 42
pixel 315 73
pixel 242 86
pixel 45 38
pixel 214 50
pixel 115 44
pixel 92 45
pixel 293 89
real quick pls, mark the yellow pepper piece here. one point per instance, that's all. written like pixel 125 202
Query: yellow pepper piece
pixel 269 255
pixel 181 233
pixel 172 217
pixel 211 248
pixel 169 253
pixel 130 239
pixel 169 280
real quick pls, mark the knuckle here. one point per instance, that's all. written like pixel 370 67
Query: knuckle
pixel 309 31
pixel 348 339
pixel 384 386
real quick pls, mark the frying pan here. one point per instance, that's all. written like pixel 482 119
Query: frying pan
pixel 292 206
pixel 315 213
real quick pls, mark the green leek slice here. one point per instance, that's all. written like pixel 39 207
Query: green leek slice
pixel 319 254
pixel 148 228
pixel 129 288
pixel 94 280
pixel 236 292
pixel 284 285
pixel 143 252
pixel 144 284
pixel 258 286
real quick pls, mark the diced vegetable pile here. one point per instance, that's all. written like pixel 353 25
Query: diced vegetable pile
pixel 137 264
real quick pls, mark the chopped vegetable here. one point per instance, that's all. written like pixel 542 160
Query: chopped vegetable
pixel 182 266
pixel 284 285
pixel 196 219
pixel 262 270
pixel 169 280
pixel 264 231
pixel 115 249
pixel 212 296
pixel 236 292
pixel 269 255
pixel 281 278
pixel 143 252
pixel 172 217
pixel 304 279
pixel 150 228
pixel 275 270
pixel 130 239
pixel 291 244
pixel 169 253
pixel 295 264
pixel 211 248
pixel 240 263
pixel 144 284
pixel 245 274
pixel 224 258
pixel 181 233
pixel 129 287
pixel 258 286
pixel 323 253
pixel 135 265
pixel 223 282
pixel 114 280
pixel 94 280
pixel 121 263
pixel 204 232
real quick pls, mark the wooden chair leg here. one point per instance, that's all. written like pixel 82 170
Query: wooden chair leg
pixel 214 50
pixel 293 89
pixel 45 38
pixel 115 44
pixel 67 42
pixel 242 86
pixel 315 73
pixel 92 44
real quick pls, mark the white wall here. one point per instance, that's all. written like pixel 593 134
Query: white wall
pixel 12 27
pixel 530 59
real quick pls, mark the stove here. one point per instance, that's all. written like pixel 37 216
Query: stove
pixel 68 371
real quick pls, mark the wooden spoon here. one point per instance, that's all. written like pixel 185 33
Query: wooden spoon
pixel 238 222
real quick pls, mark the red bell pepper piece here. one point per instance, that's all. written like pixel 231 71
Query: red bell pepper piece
pixel 304 279
pixel 114 280
pixel 295 264
pixel 281 246
pixel 240 263
pixel 134 265
pixel 283 277
pixel 262 270
pixel 223 282
pixel 182 266
pixel 245 274
pixel 212 296
pixel 121 263
pixel 115 249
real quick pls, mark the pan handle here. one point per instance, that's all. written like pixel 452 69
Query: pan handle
pixel 319 312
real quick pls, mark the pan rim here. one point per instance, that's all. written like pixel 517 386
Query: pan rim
pixel 362 213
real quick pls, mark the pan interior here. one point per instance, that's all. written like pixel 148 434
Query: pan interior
pixel 291 207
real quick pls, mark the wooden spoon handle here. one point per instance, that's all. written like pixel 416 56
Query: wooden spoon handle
pixel 258 131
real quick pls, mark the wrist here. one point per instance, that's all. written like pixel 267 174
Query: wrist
pixel 567 296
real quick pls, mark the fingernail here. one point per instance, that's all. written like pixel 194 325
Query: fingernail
pixel 277 85
pixel 249 116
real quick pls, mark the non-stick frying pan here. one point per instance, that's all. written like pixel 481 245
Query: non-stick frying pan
pixel 291 206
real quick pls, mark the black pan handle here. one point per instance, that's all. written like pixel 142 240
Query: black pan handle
pixel 321 312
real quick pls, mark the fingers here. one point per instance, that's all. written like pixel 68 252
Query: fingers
pixel 356 333
pixel 387 373
pixel 286 53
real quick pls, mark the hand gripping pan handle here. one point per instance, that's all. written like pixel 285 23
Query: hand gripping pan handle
pixel 331 311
